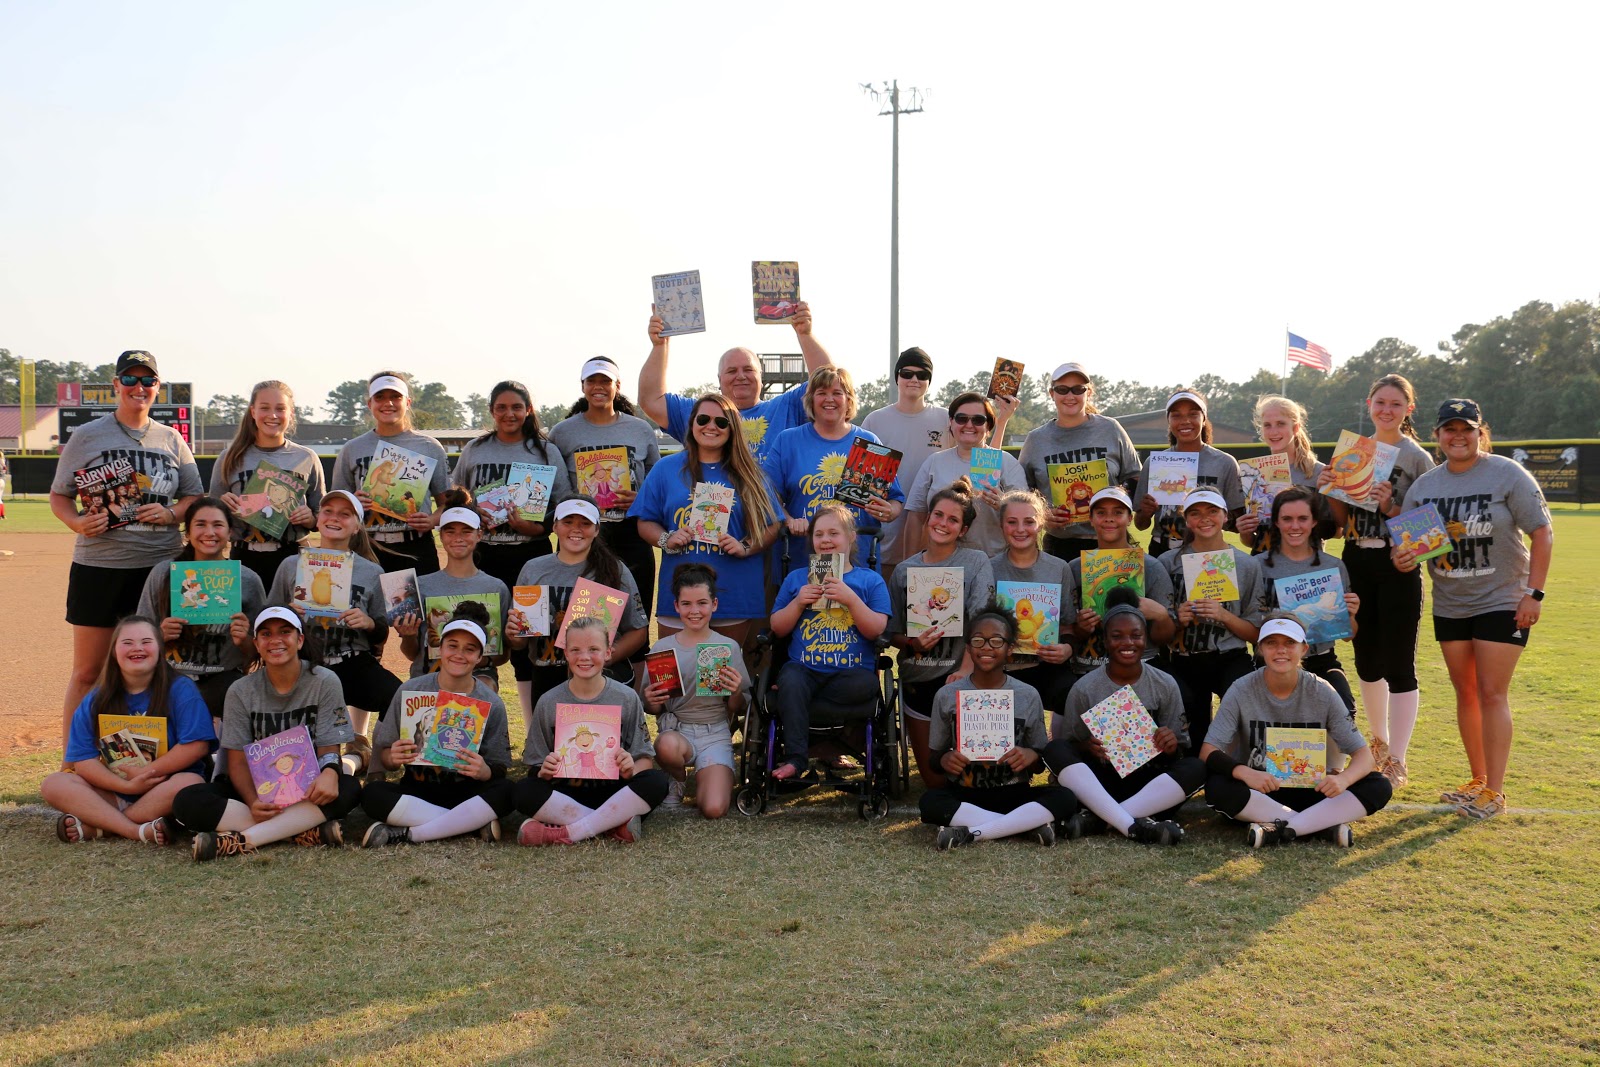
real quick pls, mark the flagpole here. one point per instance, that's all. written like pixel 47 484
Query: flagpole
pixel 1283 382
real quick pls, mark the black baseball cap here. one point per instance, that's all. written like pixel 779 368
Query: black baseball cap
pixel 137 357
pixel 1460 409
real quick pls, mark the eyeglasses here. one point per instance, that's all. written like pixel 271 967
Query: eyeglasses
pixel 131 380
pixel 987 642
pixel 701 420
pixel 964 419
pixel 920 375
pixel 1069 390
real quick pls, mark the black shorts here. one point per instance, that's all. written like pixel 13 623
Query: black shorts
pixel 99 596
pixel 1497 626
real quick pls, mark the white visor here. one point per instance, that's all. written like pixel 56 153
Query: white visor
pixel 468 626
pixel 1115 492
pixel 1066 369
pixel 1184 394
pixel 355 502
pixel 268 614
pixel 387 381
pixel 599 366
pixel 1287 627
pixel 578 507
pixel 465 516
pixel 1204 496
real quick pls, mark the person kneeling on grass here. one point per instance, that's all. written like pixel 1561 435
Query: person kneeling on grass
pixel 1079 761
pixel 563 810
pixel 284 693
pixel 1281 694
pixel 992 799
pixel 135 680
pixel 431 802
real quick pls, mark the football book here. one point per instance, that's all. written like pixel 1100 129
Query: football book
pixel 679 302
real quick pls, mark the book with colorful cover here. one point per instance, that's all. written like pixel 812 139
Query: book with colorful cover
pixel 1317 599
pixel 1263 478
pixel 1423 530
pixel 1124 729
pixel 438 610
pixel 985 723
pixel 1359 464
pixel 662 667
pixel 869 471
pixel 593 600
pixel 401 597
pixel 458 723
pixel 709 659
pixel 122 753
pixel 819 568
pixel 710 508
pixel 497 503
pixel 1211 575
pixel 935 599
pixel 397 481
pixel 149 732
pixel 416 722
pixel 322 583
pixel 283 766
pixel 1297 757
pixel 1172 475
pixel 529 615
pixel 985 470
pixel 270 496
pixel 113 488
pixel 1006 378
pixel 587 740
pixel 679 302
pixel 204 594
pixel 531 486
pixel 1073 485
pixel 775 286
pixel 1037 606
pixel 601 474
pixel 1105 569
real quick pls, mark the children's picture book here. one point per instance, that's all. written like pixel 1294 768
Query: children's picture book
pixel 776 288
pixel 270 496
pixel 1422 529
pixel 662 667
pixel 438 610
pixel 985 470
pixel 1295 756
pixel 935 600
pixel 679 302
pixel 822 566
pixel 149 732
pixel 985 723
pixel 531 485
pixel 709 659
pixel 283 766
pixel 1073 485
pixel 1317 599
pixel 400 594
pixel 1359 464
pixel 1124 729
pixel 529 615
pixel 869 471
pixel 1105 569
pixel 1172 475
pixel 397 481
pixel 602 473
pixel 1263 478
pixel 416 722
pixel 322 584
pixel 458 723
pixel 593 600
pixel 122 753
pixel 1211 575
pixel 497 503
pixel 587 739
pixel 1006 379
pixel 112 488
pixel 1037 606
pixel 203 594
pixel 710 508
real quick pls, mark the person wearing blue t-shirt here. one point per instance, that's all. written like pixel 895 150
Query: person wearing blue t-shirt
pixel 738 379
pixel 831 653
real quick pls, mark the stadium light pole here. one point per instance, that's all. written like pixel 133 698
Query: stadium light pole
pixel 888 94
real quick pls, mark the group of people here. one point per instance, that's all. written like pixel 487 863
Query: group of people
pixel 223 687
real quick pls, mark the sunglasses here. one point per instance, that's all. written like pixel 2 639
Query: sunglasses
pixel 963 419
pixel 131 380
pixel 987 642
pixel 1069 390
pixel 920 375
pixel 701 420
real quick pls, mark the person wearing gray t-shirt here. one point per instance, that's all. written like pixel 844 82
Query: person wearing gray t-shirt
pixel 912 428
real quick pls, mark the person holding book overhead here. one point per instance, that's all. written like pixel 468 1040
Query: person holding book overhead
pixel 1115 561
pixel 1134 782
pixel 460 530
pixel 587 781
pixel 434 799
pixel 231 816
pixel 1189 463
pixel 1045 666
pixel 696 707
pixel 609 452
pixel 711 503
pixel 1488 590
pixel 1079 435
pixel 1281 424
pixel 987 732
pixel 971 415
pixel 398 488
pixel 282 498
pixel 143 459
pixel 138 739
pixel 930 595
pixel 1285 790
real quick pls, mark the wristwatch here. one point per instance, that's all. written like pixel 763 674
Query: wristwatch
pixel 1537 594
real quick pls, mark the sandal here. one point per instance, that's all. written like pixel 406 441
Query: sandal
pixel 155 832
pixel 74 831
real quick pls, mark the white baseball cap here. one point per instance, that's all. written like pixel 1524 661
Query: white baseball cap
pixel 387 381
pixel 355 502
pixel 1114 492
pixel 466 626
pixel 600 365
pixel 465 516
pixel 268 614
pixel 1066 369
pixel 574 506
pixel 1190 395
pixel 1204 495
pixel 1287 627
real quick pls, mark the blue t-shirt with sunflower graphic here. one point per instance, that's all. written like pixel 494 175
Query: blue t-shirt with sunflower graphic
pixel 805 466
pixel 763 422
pixel 828 641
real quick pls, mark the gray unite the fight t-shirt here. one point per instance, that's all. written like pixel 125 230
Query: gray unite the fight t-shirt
pixel 977 586
pixel 207 649
pixel 541 737
pixel 1157 587
pixel 1098 437
pixel 355 458
pixel 1249 708
pixel 489 462
pixel 254 709
pixel 1205 636
pixel 495 747
pixel 1156 689
pixel 561 577
pixel 292 457
pixel 942 468
pixel 917 437
pixel 1046 570
pixel 576 433
pixel 1218 470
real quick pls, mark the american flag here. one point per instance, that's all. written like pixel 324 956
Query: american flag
pixel 1303 351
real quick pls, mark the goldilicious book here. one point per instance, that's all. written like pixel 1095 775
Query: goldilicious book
pixel 121 753
pixel 593 600
pixel 416 722
pixel 869 471
pixel 400 594
pixel 1006 378
pixel 985 723
pixel 203 594
pixel 822 566
pixel 1423 530
pixel 662 668
pixel 1124 729
pixel 679 302
pixel 458 723
pixel 283 766
pixel 112 488
pixel 935 599
pixel 1317 599
pixel 1296 757
pixel 775 285
pixel 602 473
pixel 1105 569
pixel 270 496
pixel 322 583
pixel 710 508
pixel 587 740
pixel 1359 464
pixel 496 503
pixel 149 732
pixel 530 611
pixel 984 473
pixel 1172 475
pixel 1263 478
pixel 531 485
pixel 1073 485
pixel 397 481
pixel 1211 575
pixel 1037 606
pixel 438 610
pixel 709 659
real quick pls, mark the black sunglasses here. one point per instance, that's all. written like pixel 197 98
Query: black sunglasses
pixel 701 420
pixel 131 380
pixel 963 419
pixel 1066 390
pixel 923 375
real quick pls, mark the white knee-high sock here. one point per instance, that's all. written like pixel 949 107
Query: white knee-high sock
pixel 1402 720
pixel 1375 702
pixel 1325 813
pixel 236 817
pixel 1262 808
pixel 1160 794
pixel 413 811
pixel 296 818
pixel 1030 816
pixel 971 815
pixel 1092 795
pixel 623 805
pixel 562 810
pixel 464 818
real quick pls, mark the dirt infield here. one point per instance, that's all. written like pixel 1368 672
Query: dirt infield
pixel 35 639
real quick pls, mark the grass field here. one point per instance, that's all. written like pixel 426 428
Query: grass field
pixel 807 936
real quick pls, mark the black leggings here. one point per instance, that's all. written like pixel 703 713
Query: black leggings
pixel 1325 665
pixel 379 798
pixel 638 557
pixel 1228 795
pixel 531 792
pixel 1069 548
pixel 505 563
pixel 1187 771
pixel 1053 681
pixel 199 808
pixel 264 564
pixel 1387 621
pixel 1199 676
pixel 420 552
pixel 939 806
pixel 214 689
pixel 368 685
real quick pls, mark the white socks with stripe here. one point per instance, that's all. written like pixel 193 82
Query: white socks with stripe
pixel 1328 812
pixel 623 805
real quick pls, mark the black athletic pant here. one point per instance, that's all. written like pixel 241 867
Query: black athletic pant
pixel 531 792
pixel 1387 621
pixel 505 563
pixel 1199 676
pixel 420 552
pixel 1228 795
pixel 199 808
pixel 368 684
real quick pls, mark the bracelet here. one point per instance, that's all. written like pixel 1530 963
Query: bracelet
pixel 329 760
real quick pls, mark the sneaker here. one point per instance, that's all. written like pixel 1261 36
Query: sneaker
pixel 628 832
pixel 1340 835
pixel 673 805
pixel 1269 833
pixel 953 837
pixel 329 833
pixel 1465 793
pixel 1486 805
pixel 534 832
pixel 1380 752
pixel 381 833
pixel 208 846
pixel 1045 835
pixel 1394 770
pixel 1083 823
pixel 1148 831
pixel 491 832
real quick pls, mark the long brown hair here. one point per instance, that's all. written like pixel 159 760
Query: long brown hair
pixel 110 696
pixel 959 493
pixel 186 553
pixel 749 484
pixel 245 435
pixel 532 431
pixel 603 565
pixel 1397 381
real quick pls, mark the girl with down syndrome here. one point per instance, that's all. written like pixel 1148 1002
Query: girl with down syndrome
pixel 991 800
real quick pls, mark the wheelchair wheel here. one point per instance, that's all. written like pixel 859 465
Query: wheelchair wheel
pixel 874 807
pixel 750 800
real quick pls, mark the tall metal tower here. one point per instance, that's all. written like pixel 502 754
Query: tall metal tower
pixel 888 94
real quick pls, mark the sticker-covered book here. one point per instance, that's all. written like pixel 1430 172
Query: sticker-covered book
pixel 397 481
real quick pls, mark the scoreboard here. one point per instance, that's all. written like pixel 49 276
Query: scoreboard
pixel 179 416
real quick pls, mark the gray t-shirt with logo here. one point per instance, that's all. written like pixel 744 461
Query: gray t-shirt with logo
pixel 977 585
pixel 254 709
pixel 167 474
pixel 576 433
pixel 292 457
pixel 495 747
pixel 1371 528
pixel 542 723
pixel 1276 565
pixel 441 584
pixel 942 468
pixel 339 642
pixel 355 458
pixel 206 649
pixel 1249 708
pixel 489 462
pixel 917 437
pixel 1098 437
pixel 1156 689
pixel 690 708
pixel 1218 470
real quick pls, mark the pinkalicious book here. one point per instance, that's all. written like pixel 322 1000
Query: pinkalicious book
pixel 203 594
pixel 602 473
pixel 458 723
pixel 401 597
pixel 1172 475
pixel 710 508
pixel 110 487
pixel 322 583
pixel 587 739
pixel 1317 599
pixel 709 659
pixel 593 600
pixel 662 667
pixel 438 610
pixel 1422 529
pixel 1359 464
pixel 270 496
pixel 531 485
pixel 679 302
pixel 1105 569
pixel 984 473
pixel 985 723
pixel 1124 729
pixel 775 288
pixel 397 481
pixel 1297 757
pixel 1211 575
pixel 1073 485
pixel 416 722
pixel 283 766
pixel 935 599
pixel 1006 378
pixel 869 471
pixel 1037 606
pixel 530 611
